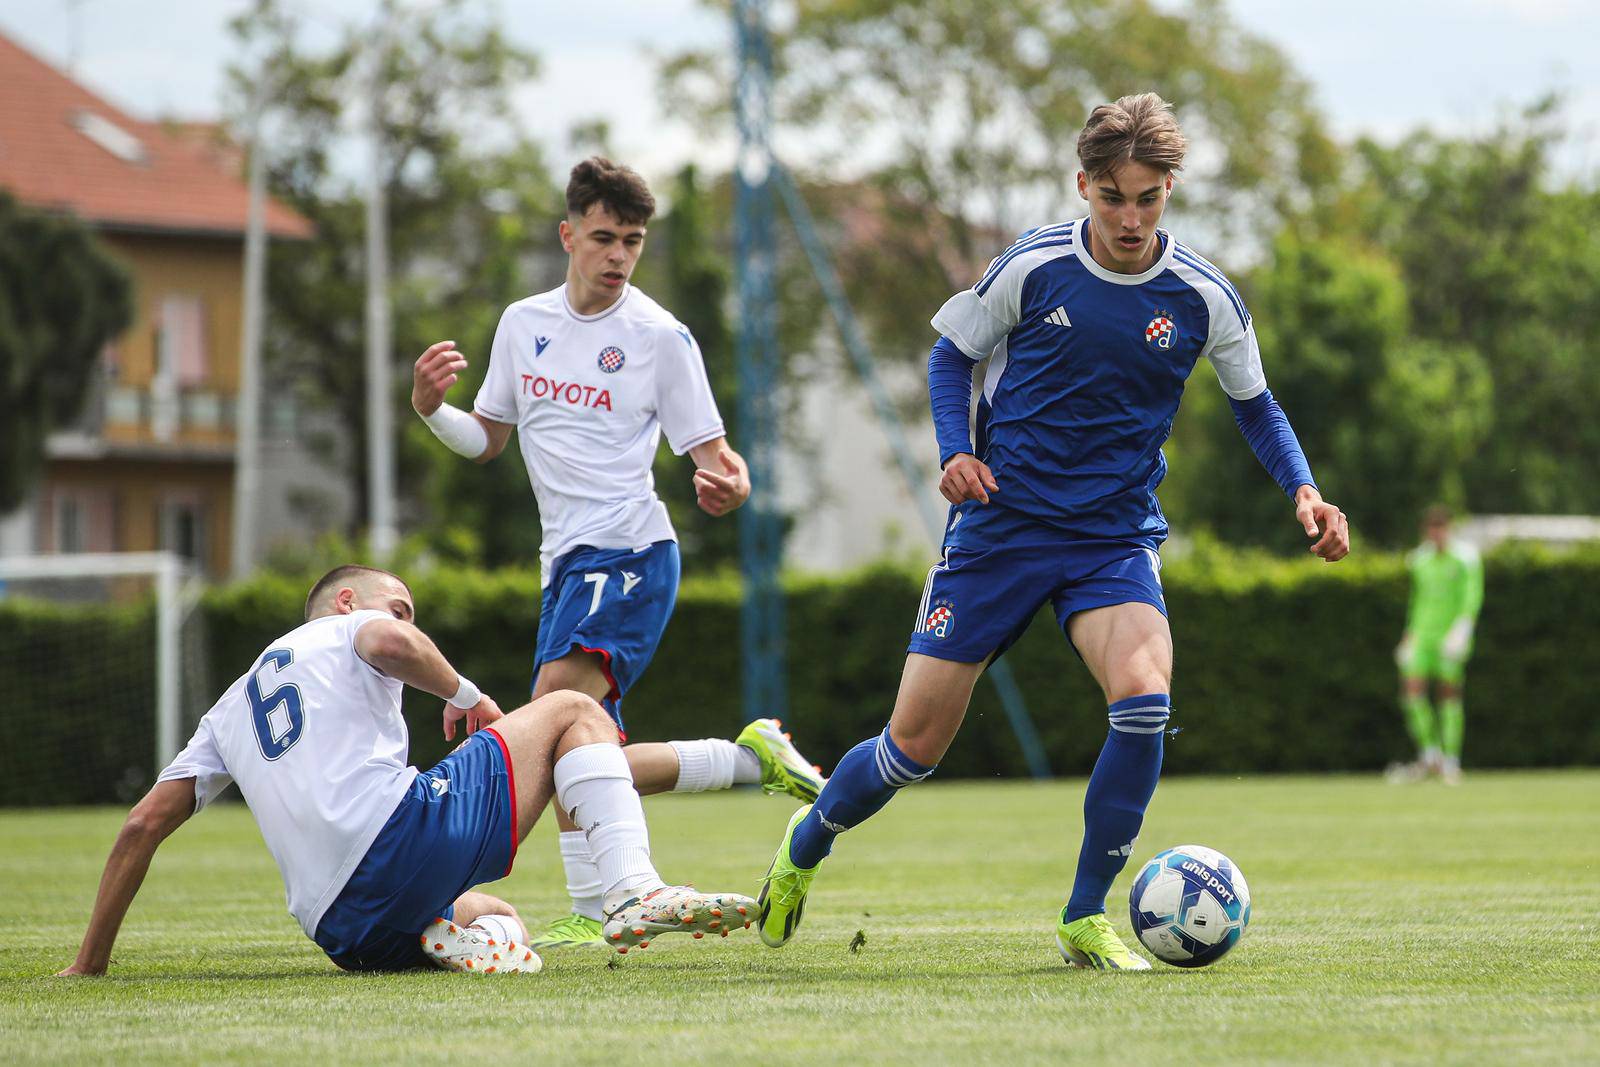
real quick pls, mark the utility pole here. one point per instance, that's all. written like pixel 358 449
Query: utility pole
pixel 247 429
pixel 380 423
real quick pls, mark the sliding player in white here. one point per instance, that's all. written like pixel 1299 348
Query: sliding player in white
pixel 378 859
pixel 590 375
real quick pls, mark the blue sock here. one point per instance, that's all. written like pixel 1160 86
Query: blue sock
pixel 861 784
pixel 1120 788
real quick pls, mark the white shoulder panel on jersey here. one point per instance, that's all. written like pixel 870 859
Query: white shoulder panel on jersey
pixel 685 406
pixel 977 319
pixel 1231 345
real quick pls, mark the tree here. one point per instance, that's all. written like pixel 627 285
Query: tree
pixel 471 205
pixel 62 298
pixel 964 115
pixel 696 286
pixel 1386 419
pixel 1498 257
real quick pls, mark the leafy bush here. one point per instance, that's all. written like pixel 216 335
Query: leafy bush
pixel 1280 666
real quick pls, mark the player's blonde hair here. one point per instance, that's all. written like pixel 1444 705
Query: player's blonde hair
pixel 1139 128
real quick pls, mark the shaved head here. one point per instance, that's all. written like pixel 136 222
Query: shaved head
pixel 372 588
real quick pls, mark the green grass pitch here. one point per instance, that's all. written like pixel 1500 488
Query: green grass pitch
pixel 1394 925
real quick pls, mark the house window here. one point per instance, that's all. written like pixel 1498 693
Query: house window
pixel 183 351
pixel 81 520
pixel 183 527
pixel 70 523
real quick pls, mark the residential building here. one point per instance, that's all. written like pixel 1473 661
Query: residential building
pixel 150 463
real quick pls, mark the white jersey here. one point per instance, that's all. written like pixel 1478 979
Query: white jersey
pixel 590 396
pixel 314 737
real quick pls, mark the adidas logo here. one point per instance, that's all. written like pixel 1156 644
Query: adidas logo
pixel 1058 317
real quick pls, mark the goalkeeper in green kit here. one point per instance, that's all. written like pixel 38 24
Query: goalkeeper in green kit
pixel 1446 593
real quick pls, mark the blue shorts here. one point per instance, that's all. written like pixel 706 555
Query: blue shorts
pixel 614 601
pixel 1000 566
pixel 455 828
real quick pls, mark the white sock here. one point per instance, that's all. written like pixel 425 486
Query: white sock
pixel 595 788
pixel 501 928
pixel 713 764
pixel 583 877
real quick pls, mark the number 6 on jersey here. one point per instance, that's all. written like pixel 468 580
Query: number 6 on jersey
pixel 279 716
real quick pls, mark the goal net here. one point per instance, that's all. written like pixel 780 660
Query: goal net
pixel 102 674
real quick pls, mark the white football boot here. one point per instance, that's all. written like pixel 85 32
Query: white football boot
pixel 676 909
pixel 473 950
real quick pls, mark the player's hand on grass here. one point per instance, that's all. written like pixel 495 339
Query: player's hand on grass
pixel 718 494
pixel 435 372
pixel 966 477
pixel 481 714
pixel 1323 521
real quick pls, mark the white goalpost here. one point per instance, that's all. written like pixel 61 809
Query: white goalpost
pixel 99 578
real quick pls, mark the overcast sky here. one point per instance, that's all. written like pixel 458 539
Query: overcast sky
pixel 1379 66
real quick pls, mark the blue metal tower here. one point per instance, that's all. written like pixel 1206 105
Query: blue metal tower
pixel 760 521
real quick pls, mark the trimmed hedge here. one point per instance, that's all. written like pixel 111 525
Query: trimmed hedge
pixel 1281 666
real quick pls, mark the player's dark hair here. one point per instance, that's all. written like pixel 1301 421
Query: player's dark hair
pixel 340 577
pixel 597 180
pixel 1139 128
pixel 1438 515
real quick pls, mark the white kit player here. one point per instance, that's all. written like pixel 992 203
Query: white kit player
pixel 377 858
pixel 590 375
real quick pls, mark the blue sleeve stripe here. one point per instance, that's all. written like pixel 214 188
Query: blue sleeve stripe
pixel 1040 238
pixel 1189 259
pixel 985 285
pixel 1021 244
pixel 1202 263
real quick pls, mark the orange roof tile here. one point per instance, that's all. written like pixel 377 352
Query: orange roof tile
pixel 64 148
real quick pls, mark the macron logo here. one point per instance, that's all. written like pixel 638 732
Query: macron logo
pixel 539 345
pixel 1058 317
pixel 441 786
pixel 629 580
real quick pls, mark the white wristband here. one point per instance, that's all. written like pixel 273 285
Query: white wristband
pixel 467 694
pixel 460 432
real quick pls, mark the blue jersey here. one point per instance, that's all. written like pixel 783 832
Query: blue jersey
pixel 1086 368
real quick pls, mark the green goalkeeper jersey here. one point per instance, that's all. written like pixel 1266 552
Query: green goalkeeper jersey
pixel 1445 586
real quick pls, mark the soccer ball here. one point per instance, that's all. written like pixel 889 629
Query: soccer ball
pixel 1189 906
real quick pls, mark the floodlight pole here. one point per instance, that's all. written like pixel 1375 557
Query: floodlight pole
pixel 380 422
pixel 855 345
pixel 760 520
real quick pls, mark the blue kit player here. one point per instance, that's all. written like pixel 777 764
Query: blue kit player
pixel 590 375
pixel 379 860
pixel 1091 328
